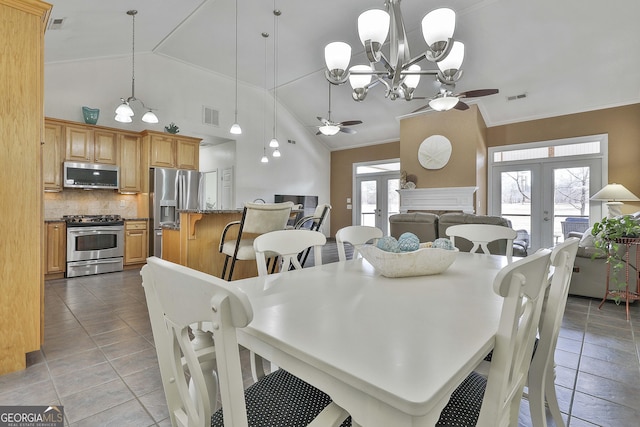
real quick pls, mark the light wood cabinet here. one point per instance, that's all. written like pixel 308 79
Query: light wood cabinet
pixel 84 144
pixel 55 247
pixel 135 242
pixel 52 157
pixel 21 136
pixel 187 154
pixel 131 168
pixel 172 151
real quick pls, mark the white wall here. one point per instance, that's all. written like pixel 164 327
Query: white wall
pixel 178 92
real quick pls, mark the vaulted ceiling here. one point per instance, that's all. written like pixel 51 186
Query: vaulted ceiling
pixel 565 56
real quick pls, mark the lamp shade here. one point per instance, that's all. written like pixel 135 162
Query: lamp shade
pixel 150 117
pixel 438 25
pixel 235 129
pixel 359 81
pixel 443 103
pixel 123 118
pixel 329 130
pixel 412 80
pixel 337 55
pixel 373 24
pixel 124 110
pixel 276 153
pixel 274 143
pixel 615 192
pixel 453 61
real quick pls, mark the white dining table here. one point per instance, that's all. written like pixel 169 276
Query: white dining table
pixel 390 351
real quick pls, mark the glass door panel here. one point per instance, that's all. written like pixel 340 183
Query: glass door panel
pixel 368 202
pixel 377 199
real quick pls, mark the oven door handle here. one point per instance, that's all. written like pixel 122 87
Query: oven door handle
pixel 94 230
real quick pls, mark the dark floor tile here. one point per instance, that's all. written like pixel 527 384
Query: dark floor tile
pixel 42 393
pixel 608 354
pixel 145 381
pixel 132 363
pixel 602 412
pixel 26 377
pixel 626 373
pixel 114 336
pixel 82 379
pixel 566 359
pixel 90 402
pixel 156 403
pixel 126 347
pixel 130 413
pixel 74 361
pixel 603 388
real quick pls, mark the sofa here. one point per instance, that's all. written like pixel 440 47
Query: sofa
pixel 429 226
pixel 590 268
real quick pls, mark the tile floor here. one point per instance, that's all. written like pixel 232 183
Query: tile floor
pixel 99 361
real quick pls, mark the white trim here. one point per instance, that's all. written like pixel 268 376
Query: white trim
pixel 354 175
pixel 438 199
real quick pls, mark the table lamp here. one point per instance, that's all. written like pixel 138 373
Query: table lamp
pixel 614 194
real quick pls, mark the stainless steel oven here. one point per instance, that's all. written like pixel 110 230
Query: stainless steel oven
pixel 95 244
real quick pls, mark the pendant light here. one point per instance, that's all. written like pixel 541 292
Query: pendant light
pixel 124 112
pixel 274 141
pixel 235 128
pixel 264 158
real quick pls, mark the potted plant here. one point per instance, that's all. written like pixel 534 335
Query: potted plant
pixel 611 236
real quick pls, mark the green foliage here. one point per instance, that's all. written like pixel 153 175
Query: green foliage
pixel 608 234
pixel 172 128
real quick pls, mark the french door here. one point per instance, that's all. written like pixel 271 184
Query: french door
pixel 376 199
pixel 547 198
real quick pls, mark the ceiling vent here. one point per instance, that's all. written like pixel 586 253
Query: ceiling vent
pixel 56 23
pixel 210 116
pixel 514 97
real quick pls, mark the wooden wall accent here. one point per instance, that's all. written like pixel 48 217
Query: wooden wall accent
pixel 22 25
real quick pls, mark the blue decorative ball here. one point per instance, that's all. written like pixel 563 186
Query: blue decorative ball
pixel 443 244
pixel 408 242
pixel 388 244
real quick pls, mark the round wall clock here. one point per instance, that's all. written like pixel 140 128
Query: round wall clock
pixel 434 152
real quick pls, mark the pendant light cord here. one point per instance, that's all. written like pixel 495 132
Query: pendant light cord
pixel 276 13
pixel 133 54
pixel 236 17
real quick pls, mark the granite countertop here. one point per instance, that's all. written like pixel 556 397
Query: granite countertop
pixel 210 211
pixel 170 227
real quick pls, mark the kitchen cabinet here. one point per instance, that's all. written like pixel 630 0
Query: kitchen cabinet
pixel 21 137
pixel 55 249
pixel 52 157
pixel 130 163
pixel 172 151
pixel 136 242
pixel 86 144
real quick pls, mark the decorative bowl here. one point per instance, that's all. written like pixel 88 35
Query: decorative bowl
pixel 423 262
pixel 90 115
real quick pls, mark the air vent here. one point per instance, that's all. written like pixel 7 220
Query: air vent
pixel 210 116
pixel 56 23
pixel 514 97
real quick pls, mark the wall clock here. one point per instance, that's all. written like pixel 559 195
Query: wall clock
pixel 434 152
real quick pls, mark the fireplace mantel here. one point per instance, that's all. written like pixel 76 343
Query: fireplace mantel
pixel 438 199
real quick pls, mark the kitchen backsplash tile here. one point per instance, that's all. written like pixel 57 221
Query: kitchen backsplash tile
pixel 94 202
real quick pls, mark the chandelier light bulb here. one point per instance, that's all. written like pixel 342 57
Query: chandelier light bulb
pixel 235 129
pixel 412 80
pixel 274 143
pixel 124 110
pixel 373 24
pixel 337 55
pixel 438 26
pixel 150 117
pixel 453 61
pixel 359 81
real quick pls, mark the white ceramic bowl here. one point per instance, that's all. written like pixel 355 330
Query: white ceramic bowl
pixel 423 262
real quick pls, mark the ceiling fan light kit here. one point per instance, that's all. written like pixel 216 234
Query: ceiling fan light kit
pixel 400 72
pixel 124 112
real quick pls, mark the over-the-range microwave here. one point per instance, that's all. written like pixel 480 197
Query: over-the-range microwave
pixel 91 175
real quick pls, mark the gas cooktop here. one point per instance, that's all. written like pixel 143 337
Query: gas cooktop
pixel 89 220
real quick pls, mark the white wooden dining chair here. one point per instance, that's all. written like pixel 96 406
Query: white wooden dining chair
pixel 540 384
pixel 355 235
pixel 287 244
pixel 495 401
pixel 183 297
pixel 257 218
pixel 483 234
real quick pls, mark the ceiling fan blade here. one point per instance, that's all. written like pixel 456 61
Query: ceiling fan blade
pixel 477 93
pixel 318 133
pixel 347 130
pixel 424 107
pixel 323 120
pixel 350 123
pixel 461 106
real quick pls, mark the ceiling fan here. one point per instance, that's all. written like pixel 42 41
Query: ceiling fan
pixel 445 99
pixel 329 128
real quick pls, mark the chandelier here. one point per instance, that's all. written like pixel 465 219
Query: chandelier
pixel 398 72
pixel 124 112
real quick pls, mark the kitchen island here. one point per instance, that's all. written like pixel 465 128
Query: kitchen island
pixel 195 243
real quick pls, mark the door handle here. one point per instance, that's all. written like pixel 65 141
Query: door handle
pixel 546 218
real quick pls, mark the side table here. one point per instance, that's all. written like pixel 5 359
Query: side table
pixel 629 295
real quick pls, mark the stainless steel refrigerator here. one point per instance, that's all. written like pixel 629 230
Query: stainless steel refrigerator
pixel 170 190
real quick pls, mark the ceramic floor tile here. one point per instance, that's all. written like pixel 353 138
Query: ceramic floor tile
pixel 156 403
pixel 42 393
pixel 145 381
pixel 74 361
pixel 132 363
pixel 606 389
pixel 82 379
pixel 90 402
pixel 603 412
pixel 626 373
pixel 130 413
pixel 126 347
